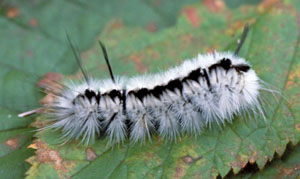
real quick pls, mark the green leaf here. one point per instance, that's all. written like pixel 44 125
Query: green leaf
pixel 12 165
pixel 287 166
pixel 33 42
pixel 272 48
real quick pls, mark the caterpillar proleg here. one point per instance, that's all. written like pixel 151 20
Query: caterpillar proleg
pixel 209 89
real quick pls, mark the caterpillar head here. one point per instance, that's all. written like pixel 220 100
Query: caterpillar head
pixel 75 112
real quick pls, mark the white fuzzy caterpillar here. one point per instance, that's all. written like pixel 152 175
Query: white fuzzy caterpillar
pixel 211 88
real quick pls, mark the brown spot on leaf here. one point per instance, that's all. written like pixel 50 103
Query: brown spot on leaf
pixel 138 63
pixel 211 49
pixel 186 40
pixel 86 54
pixel 50 82
pixel 13 12
pixel 48 99
pixel 151 27
pixel 179 172
pixel 293 78
pixel 297 126
pixel 113 25
pixel 69 165
pixel 253 156
pixel 46 155
pixel 214 5
pixel 31 160
pixel 252 160
pixel 118 24
pixel 12 143
pixel 238 25
pixel 266 4
pixel 29 53
pixel 157 3
pixel 190 160
pixel 288 171
pixel 90 154
pixel 33 22
pixel 191 14
pixel 214 172
pixel 240 162
pixel 32 146
pixel 149 155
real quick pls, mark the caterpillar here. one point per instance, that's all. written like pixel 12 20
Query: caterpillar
pixel 209 89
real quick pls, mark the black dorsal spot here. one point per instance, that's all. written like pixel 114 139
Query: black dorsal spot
pixel 173 84
pixel 242 67
pixel 114 93
pixel 225 63
pixel 193 75
pixel 89 94
pixel 157 91
pixel 141 93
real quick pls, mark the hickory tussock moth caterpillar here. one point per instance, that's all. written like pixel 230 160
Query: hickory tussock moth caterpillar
pixel 210 88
